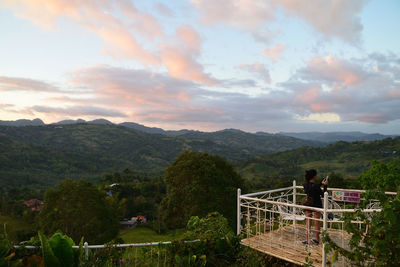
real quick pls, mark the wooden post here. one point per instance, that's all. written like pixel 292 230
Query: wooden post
pixel 325 227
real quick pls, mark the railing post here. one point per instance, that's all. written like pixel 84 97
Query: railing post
pixel 238 212
pixel 325 227
pixel 86 245
pixel 294 202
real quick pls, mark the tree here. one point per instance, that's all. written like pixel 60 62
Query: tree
pixel 199 183
pixel 379 245
pixel 382 176
pixel 213 226
pixel 79 209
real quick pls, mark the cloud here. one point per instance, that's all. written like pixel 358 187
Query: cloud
pixel 332 18
pixel 349 88
pixel 122 27
pixel 164 10
pixel 159 99
pixel 77 111
pixel 99 17
pixel 274 52
pixel 320 117
pixel 318 92
pixel 189 37
pixel 25 84
pixel 334 71
pixel 180 58
pixel 259 69
pixel 133 87
pixel 245 14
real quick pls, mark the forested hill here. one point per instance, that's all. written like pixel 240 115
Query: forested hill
pixel 347 160
pixel 258 144
pixel 45 155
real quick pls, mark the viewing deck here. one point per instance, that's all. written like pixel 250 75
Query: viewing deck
pixel 274 222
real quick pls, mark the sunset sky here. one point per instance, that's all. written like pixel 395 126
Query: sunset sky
pixel 271 65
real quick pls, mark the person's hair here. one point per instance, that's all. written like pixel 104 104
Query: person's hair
pixel 310 174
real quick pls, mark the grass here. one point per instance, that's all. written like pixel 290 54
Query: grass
pixel 143 234
pixel 14 226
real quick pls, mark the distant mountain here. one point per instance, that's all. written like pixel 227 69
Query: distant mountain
pixel 98 121
pixel 328 137
pixel 154 130
pixel 257 143
pixel 332 137
pixel 23 122
pixel 48 154
pixel 66 122
pixel 142 128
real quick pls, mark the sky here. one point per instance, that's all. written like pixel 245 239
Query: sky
pixel 271 65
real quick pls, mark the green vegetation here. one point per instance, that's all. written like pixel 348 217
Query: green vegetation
pixel 380 244
pixel 145 234
pixel 347 160
pixel 174 188
pixel 79 209
pixel 198 183
pixel 17 228
pixel 135 195
pixel 42 156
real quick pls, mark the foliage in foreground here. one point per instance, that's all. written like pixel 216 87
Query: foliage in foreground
pixel 377 243
pixel 55 251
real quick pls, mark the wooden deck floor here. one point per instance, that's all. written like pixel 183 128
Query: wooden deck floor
pixel 286 243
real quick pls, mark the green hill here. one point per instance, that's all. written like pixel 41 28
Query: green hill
pixel 44 155
pixel 257 144
pixel 345 159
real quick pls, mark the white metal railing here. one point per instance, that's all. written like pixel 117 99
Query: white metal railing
pixel 262 212
pixel 88 247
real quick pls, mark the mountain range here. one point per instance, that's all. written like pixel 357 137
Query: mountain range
pixel 327 137
pixel 44 154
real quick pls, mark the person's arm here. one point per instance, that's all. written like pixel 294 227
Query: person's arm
pixel 325 184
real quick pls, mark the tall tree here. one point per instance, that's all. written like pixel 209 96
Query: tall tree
pixel 199 183
pixel 79 209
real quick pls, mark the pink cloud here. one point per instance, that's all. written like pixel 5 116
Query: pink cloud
pixel 181 64
pixel 245 14
pixel 180 58
pixel 164 10
pixel 376 118
pixel 395 93
pixel 123 45
pixel 25 84
pixel 258 68
pixel 190 38
pixel 120 25
pixel 342 73
pixel 274 52
pixel 98 17
pixel 336 18
pixel 349 88
pixel 332 18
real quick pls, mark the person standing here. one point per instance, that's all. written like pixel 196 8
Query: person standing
pixel 314 194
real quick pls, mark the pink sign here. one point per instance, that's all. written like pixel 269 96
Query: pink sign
pixel 346 196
